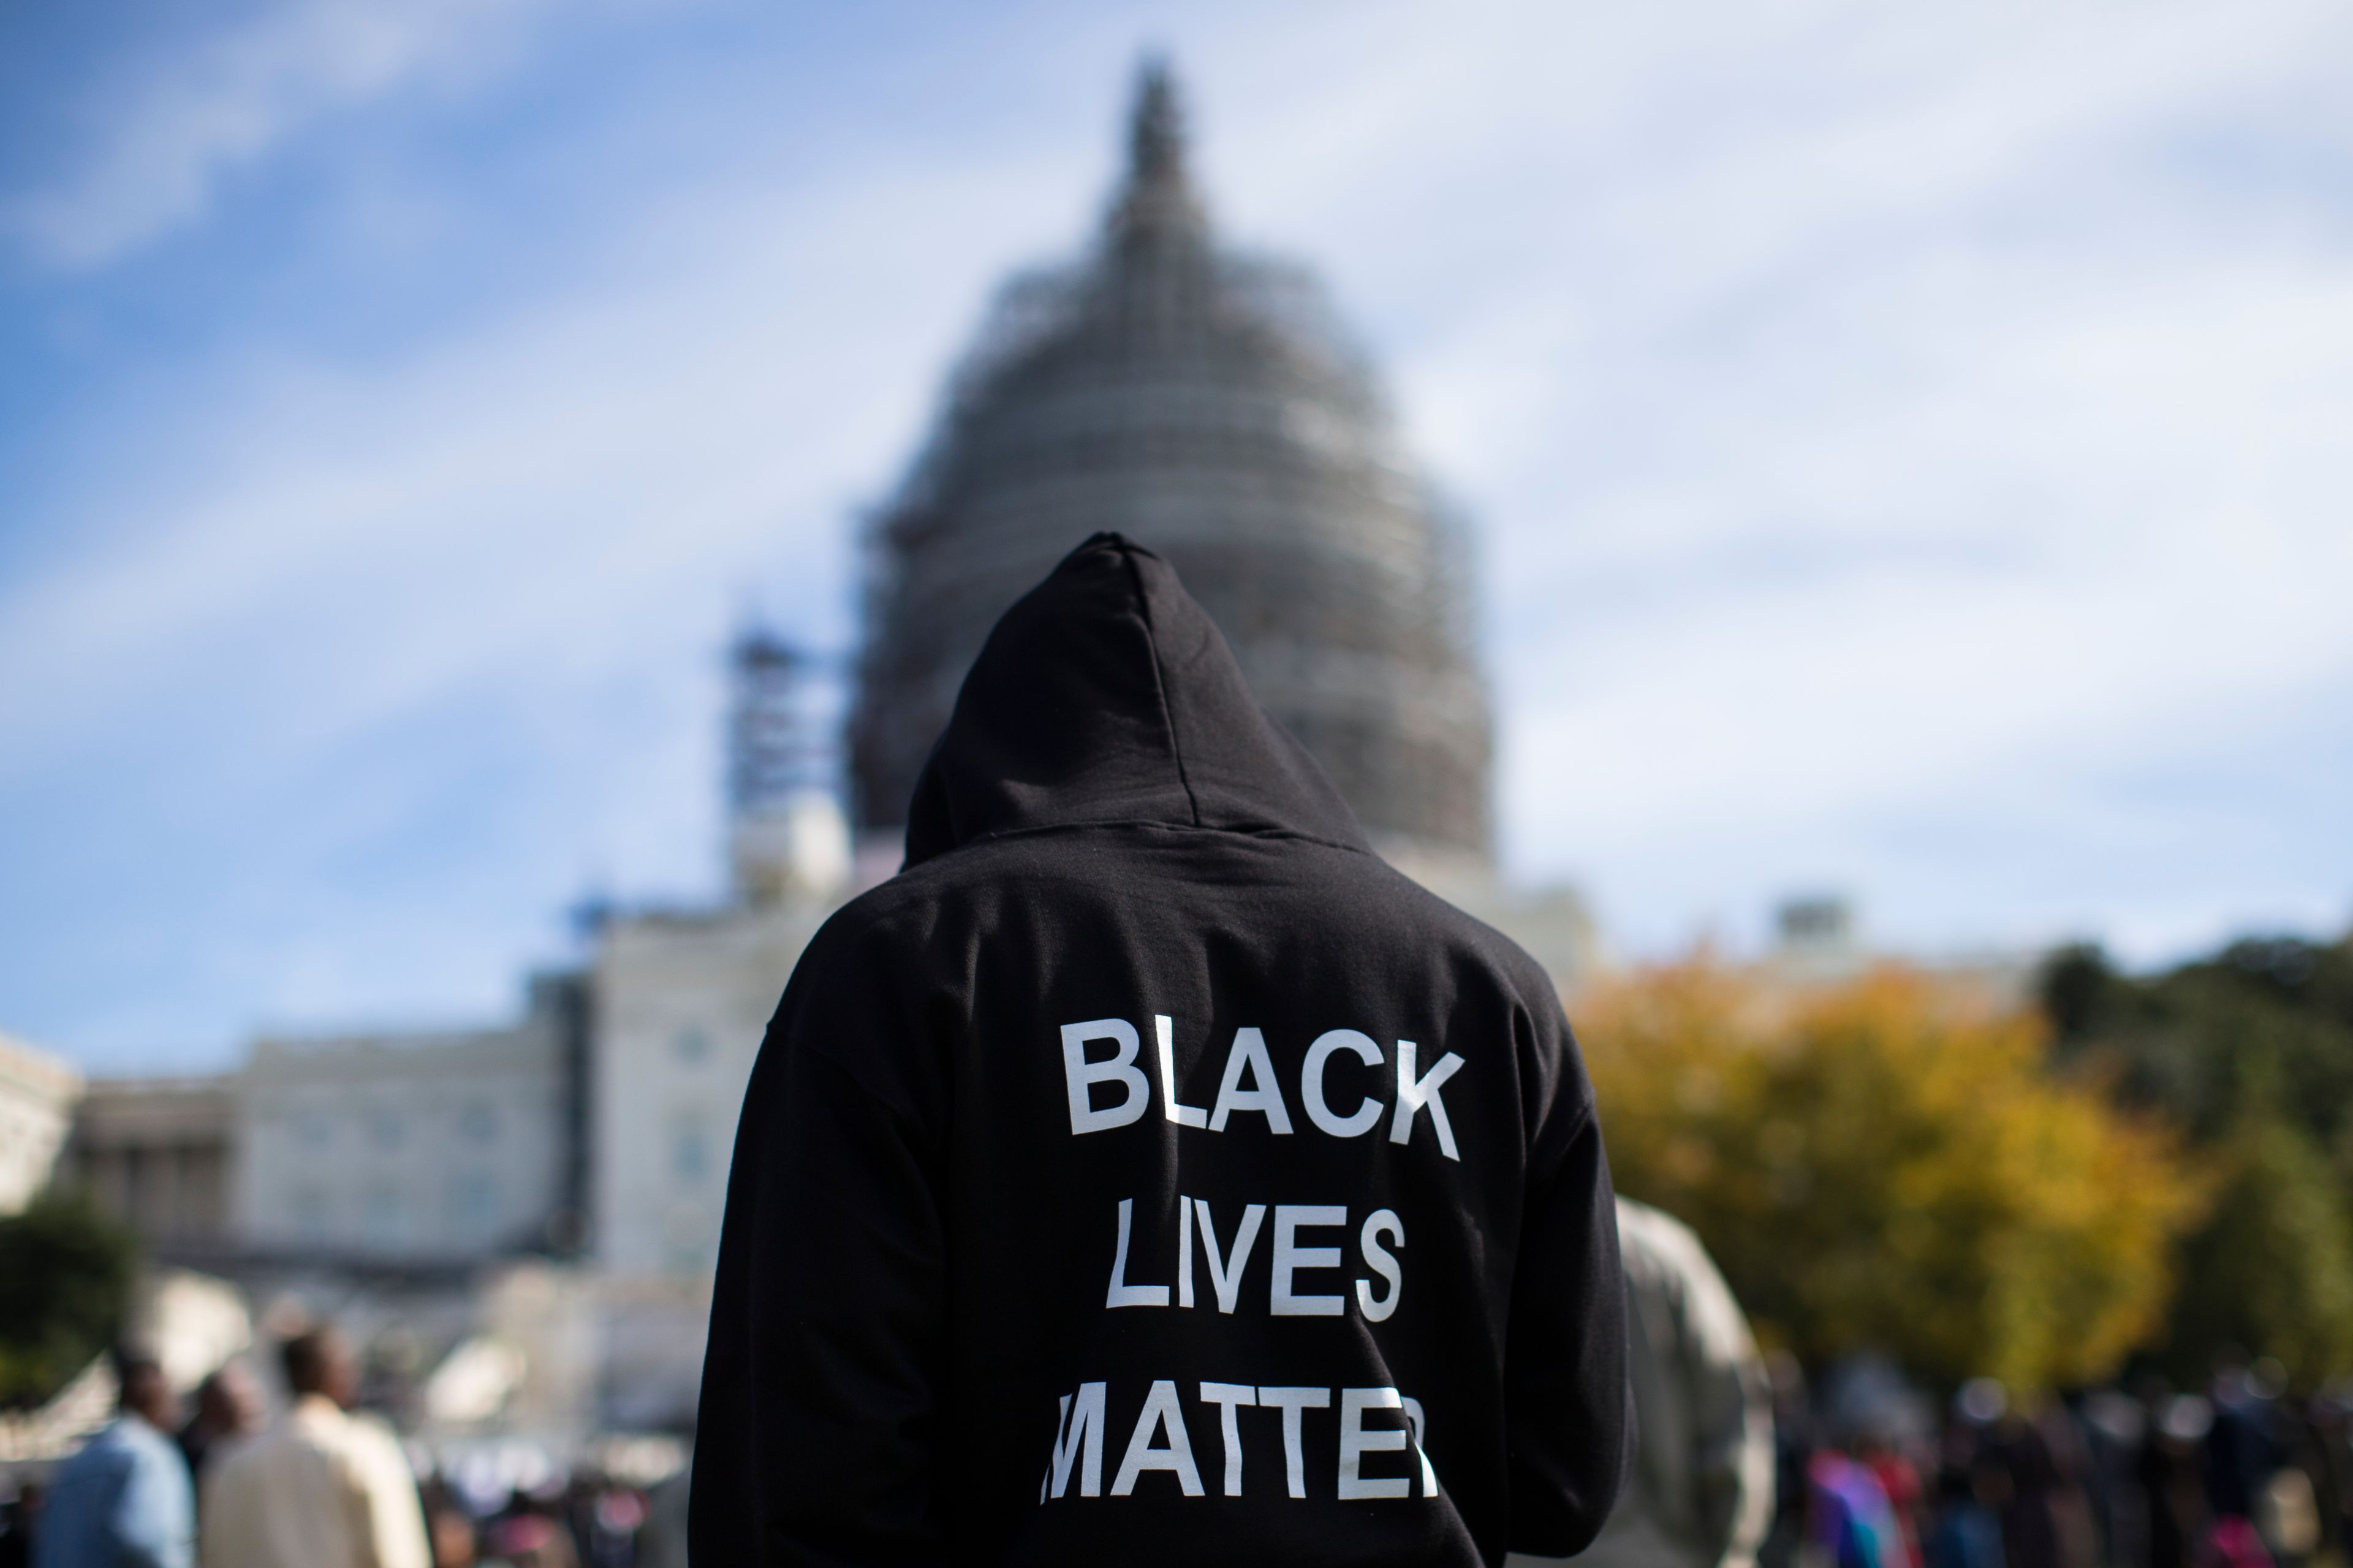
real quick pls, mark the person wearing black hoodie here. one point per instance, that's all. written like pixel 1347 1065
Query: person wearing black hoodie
pixel 1150 1173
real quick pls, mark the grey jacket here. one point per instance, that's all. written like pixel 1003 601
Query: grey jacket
pixel 1702 1492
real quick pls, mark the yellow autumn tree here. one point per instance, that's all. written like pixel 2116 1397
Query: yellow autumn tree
pixel 1884 1165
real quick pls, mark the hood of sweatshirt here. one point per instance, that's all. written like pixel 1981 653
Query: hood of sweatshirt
pixel 1107 695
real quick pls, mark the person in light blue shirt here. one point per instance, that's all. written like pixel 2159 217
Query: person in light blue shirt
pixel 124 1501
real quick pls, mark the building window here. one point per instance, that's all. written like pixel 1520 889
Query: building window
pixel 689 1149
pixel 692 1045
pixel 134 1186
pixel 476 1200
pixel 387 1219
pixel 478 1122
pixel 388 1130
pixel 689 1240
pixel 311 1215
pixel 315 1127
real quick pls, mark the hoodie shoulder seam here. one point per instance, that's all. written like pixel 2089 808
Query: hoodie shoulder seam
pixel 1160 685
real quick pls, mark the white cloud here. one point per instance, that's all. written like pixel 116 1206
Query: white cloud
pixel 1866 414
pixel 174 129
pixel 525 495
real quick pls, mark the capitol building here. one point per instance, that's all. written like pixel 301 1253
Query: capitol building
pixel 1205 403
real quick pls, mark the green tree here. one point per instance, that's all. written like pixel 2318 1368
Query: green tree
pixel 2266 1018
pixel 66 1274
pixel 1882 1166
pixel 2271 1271
pixel 2251 1051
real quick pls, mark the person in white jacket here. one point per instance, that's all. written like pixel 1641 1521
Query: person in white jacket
pixel 324 1488
pixel 1700 1495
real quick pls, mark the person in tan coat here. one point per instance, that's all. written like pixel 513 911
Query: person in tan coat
pixel 1700 1495
pixel 323 1487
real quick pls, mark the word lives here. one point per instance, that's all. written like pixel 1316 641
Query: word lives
pixel 1284 1298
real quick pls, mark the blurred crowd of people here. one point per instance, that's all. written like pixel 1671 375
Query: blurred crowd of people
pixel 324 1485
pixel 2239 1476
pixel 1737 1467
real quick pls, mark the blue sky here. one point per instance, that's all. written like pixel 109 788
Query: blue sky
pixel 1909 446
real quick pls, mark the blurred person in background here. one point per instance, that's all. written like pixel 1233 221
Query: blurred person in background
pixel 662 1543
pixel 449 1529
pixel 1700 1492
pixel 2331 1460
pixel 1899 1478
pixel 2243 1458
pixel 2289 1471
pixel 533 1536
pixel 124 1501
pixel 606 1518
pixel 2072 1518
pixel 2287 1516
pixel 517 1541
pixel 229 1409
pixel 2115 1431
pixel 2172 1474
pixel 1793 1445
pixel 17 1512
pixel 2241 1453
pixel 1970 1492
pixel 2040 1491
pixel 323 1487
pixel 1847 1521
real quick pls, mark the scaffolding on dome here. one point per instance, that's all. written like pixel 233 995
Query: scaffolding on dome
pixel 777 746
pixel 1210 407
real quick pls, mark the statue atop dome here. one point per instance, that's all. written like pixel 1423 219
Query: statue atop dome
pixel 1158 198
pixel 1209 407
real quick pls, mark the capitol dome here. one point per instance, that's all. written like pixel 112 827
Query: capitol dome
pixel 1207 406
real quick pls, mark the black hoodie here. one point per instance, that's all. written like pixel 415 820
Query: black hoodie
pixel 1150 1173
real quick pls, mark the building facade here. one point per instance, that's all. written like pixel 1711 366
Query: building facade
pixel 682 1001
pixel 37 1099
pixel 155 1154
pixel 412 1149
